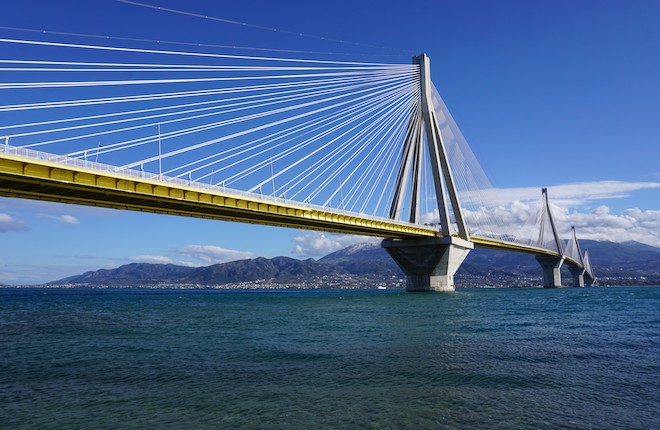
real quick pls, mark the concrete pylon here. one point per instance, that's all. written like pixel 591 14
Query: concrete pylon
pixel 551 266
pixel 429 263
pixel 578 275
pixel 588 276
pixel 551 270
pixel 579 268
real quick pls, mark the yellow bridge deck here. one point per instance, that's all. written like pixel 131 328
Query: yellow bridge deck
pixel 41 176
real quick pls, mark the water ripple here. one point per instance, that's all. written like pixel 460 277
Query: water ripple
pixel 496 359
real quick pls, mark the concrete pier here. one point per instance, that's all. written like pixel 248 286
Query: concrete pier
pixel 429 263
pixel 578 275
pixel 551 271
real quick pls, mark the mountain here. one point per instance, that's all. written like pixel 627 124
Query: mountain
pixel 367 264
pixel 130 274
pixel 366 258
pixel 622 259
pixel 278 269
pixel 629 263
pixel 281 269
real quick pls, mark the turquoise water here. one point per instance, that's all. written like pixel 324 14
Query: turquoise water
pixel 182 359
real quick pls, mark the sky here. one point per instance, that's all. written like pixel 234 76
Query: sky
pixel 558 94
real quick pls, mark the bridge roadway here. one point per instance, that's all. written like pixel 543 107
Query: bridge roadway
pixel 36 175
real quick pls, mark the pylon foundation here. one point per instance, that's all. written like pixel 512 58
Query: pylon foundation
pixel 428 263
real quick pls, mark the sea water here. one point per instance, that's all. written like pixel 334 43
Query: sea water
pixel 571 358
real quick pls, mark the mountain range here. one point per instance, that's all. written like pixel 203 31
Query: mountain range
pixel 367 264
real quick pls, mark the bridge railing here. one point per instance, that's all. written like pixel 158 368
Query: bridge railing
pixel 133 174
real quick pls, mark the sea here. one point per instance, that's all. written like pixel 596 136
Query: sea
pixel 570 358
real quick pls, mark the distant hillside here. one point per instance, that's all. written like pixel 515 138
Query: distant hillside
pixel 363 259
pixel 278 269
pixel 623 259
pixel 130 274
pixel 629 263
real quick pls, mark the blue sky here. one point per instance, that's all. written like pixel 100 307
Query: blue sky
pixel 557 94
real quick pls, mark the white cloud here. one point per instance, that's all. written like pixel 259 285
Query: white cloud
pixel 581 193
pixel 211 254
pixel 317 244
pixel 154 259
pixel 64 219
pixel 567 195
pixel 7 224
pixel 514 211
pixel 631 224
pixel 521 220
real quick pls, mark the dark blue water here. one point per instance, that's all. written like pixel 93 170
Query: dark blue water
pixel 492 359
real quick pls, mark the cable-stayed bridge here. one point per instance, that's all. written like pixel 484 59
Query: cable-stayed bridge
pixel 341 146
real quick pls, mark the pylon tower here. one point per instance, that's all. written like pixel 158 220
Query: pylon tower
pixel 429 263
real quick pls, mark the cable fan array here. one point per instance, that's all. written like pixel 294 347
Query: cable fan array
pixel 323 132
pixel 489 214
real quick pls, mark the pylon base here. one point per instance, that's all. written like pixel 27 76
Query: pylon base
pixel 428 263
pixel 551 271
